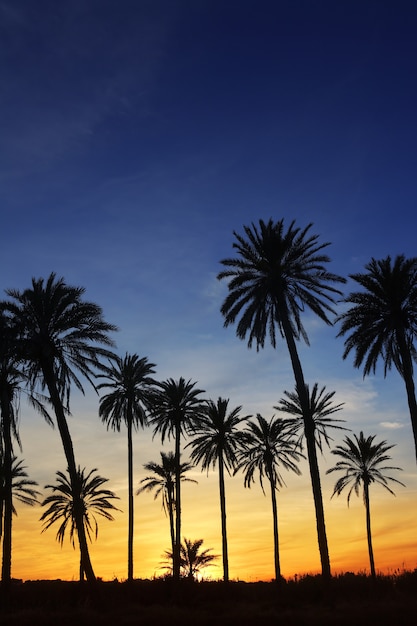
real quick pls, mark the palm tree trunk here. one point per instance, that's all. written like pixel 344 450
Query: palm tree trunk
pixel 368 528
pixel 407 375
pixel 7 512
pixel 275 525
pixel 311 444
pixel 177 548
pixel 130 497
pixel 49 377
pixel 223 519
pixel 171 521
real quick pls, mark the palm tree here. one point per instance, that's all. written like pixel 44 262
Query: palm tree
pixel 129 382
pixel 362 464
pixel 23 491
pixel 59 336
pixel 90 498
pixel 175 407
pixel 267 446
pixel 382 322
pixel 12 381
pixel 163 483
pixel 278 274
pixel 192 560
pixel 216 439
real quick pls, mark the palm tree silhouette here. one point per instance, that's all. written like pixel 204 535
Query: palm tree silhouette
pixel 59 337
pixel 92 500
pixel 163 483
pixel 278 274
pixel 363 465
pixel 175 406
pixel 267 446
pixel 12 383
pixel 216 439
pixel 130 382
pixel 23 491
pixel 192 560
pixel 382 322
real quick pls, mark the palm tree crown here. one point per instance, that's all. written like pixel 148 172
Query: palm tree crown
pixel 278 273
pixel 321 407
pixel 129 381
pixel 192 560
pixel 381 322
pixel 362 461
pixel 94 501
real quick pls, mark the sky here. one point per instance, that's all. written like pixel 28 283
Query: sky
pixel 136 136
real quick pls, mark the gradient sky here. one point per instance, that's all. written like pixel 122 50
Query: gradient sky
pixel 136 136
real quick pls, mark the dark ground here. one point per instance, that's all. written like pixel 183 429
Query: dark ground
pixel 350 600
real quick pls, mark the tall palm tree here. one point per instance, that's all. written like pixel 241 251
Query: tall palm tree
pixel 176 405
pixel 162 481
pixel 89 497
pixel 381 322
pixel 276 275
pixel 268 446
pixel 192 560
pixel 129 382
pixel 23 491
pixel 362 464
pixel 60 336
pixel 216 439
pixel 12 383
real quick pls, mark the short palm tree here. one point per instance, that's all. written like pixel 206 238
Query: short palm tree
pixel 192 560
pixel 277 274
pixel 363 464
pixel 268 446
pixel 23 490
pixel 92 499
pixel 162 482
pixel 216 440
pixel 129 381
pixel 60 336
pixel 175 406
pixel 381 322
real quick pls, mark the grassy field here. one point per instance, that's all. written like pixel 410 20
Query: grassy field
pixel 347 600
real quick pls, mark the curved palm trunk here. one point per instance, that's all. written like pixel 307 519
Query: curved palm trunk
pixel 275 525
pixel 407 375
pixel 171 520
pixel 49 377
pixel 176 565
pixel 130 497
pixel 7 512
pixel 223 518
pixel 368 528
pixel 311 446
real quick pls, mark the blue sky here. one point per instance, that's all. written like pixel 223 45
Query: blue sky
pixel 136 136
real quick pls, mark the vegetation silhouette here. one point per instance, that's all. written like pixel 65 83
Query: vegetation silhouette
pixel 129 381
pixel 175 406
pixel 163 483
pixel 362 461
pixel 59 335
pixel 91 500
pixel 266 447
pixel 216 440
pixel 276 275
pixel 382 322
pixel 193 560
